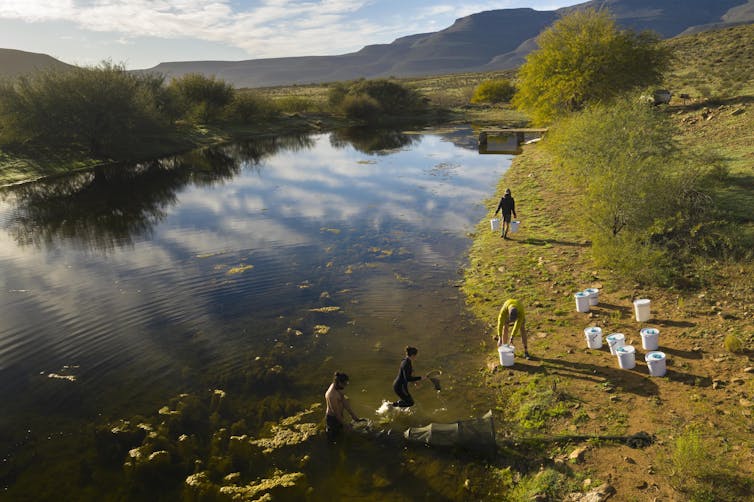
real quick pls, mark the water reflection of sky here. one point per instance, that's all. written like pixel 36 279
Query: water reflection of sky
pixel 104 299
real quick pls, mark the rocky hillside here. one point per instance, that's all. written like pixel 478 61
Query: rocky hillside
pixel 485 41
pixel 14 63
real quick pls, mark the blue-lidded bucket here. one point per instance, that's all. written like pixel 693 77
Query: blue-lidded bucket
pixel 594 295
pixel 656 363
pixel 650 338
pixel 593 337
pixel 582 302
pixel 626 357
pixel 615 340
pixel 506 352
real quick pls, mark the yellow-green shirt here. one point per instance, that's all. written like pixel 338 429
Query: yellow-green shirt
pixel 502 318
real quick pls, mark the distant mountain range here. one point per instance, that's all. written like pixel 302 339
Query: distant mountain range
pixel 486 41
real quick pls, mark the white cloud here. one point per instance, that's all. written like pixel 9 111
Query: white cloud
pixel 266 28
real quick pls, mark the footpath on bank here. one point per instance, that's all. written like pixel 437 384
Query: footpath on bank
pixel 707 393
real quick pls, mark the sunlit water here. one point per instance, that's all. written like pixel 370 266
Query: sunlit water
pixel 122 288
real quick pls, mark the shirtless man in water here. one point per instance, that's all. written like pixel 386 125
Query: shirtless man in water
pixel 337 402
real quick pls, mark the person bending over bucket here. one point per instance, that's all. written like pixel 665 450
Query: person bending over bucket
pixel 405 375
pixel 337 403
pixel 512 314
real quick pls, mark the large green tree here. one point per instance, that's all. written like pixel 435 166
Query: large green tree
pixel 585 58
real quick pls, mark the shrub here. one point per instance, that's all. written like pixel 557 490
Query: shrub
pixel 296 104
pixel 361 107
pixel 375 100
pixel 584 58
pixel 248 106
pixel 493 91
pixel 647 203
pixel 202 98
pixel 732 343
pixel 103 109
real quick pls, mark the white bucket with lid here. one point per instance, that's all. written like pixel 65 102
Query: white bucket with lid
pixel 615 340
pixel 626 357
pixel 514 226
pixel 495 224
pixel 650 338
pixel 593 337
pixel 582 302
pixel 506 354
pixel 594 295
pixel 641 309
pixel 656 363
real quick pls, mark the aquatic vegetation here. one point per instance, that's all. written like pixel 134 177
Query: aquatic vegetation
pixel 321 329
pixel 325 309
pixel 239 269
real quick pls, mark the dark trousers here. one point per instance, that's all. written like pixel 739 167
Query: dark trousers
pixel 333 428
pixel 406 399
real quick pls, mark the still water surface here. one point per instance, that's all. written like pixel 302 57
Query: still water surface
pixel 124 287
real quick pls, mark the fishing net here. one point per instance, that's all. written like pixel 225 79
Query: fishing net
pixel 477 434
pixel 434 377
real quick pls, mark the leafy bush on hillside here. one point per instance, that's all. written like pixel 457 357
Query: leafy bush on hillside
pixel 645 202
pixel 494 91
pixel 584 58
pixel 102 110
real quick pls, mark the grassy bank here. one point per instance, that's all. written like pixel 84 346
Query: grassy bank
pixel 700 412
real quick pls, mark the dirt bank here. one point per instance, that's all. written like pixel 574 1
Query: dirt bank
pixel 707 388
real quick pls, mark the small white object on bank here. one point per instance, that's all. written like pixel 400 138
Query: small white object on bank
pixel 650 338
pixel 656 363
pixel 582 301
pixel 594 295
pixel 506 352
pixel 614 341
pixel 593 337
pixel 626 357
pixel 641 309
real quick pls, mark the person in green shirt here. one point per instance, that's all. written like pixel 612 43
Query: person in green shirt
pixel 510 321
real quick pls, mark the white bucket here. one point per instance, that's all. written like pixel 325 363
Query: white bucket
pixel 656 363
pixel 650 338
pixel 514 226
pixel 582 302
pixel 594 295
pixel 593 337
pixel 495 224
pixel 615 340
pixel 626 357
pixel 641 308
pixel 506 354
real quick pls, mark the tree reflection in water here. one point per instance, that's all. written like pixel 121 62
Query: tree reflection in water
pixel 373 141
pixel 110 207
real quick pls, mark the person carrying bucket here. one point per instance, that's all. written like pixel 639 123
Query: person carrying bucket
pixel 508 206
pixel 512 313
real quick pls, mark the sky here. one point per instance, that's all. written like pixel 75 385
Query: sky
pixel 142 33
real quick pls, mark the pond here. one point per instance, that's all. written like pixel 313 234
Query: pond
pixel 257 269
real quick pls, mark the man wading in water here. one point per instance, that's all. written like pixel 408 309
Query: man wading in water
pixel 337 402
